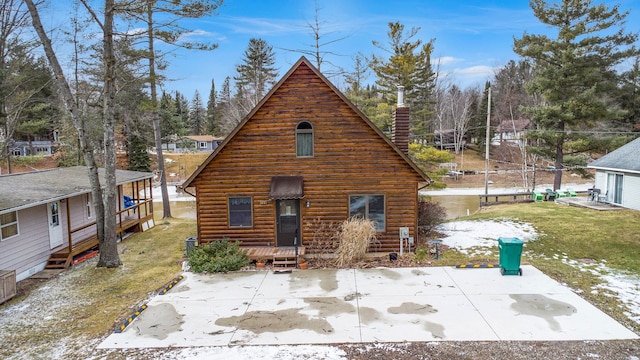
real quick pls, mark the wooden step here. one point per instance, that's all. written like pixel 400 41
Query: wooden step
pixel 58 261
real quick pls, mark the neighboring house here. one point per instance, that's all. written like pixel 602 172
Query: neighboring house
pixel 193 143
pixel 47 217
pixel 35 147
pixel 511 131
pixel 618 175
pixel 446 139
pixel 300 163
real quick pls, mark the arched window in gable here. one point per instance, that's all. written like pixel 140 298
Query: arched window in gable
pixel 304 139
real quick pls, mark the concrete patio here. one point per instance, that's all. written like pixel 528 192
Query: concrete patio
pixel 365 305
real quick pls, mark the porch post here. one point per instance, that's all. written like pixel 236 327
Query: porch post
pixel 68 203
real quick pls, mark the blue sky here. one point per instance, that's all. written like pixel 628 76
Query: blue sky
pixel 472 37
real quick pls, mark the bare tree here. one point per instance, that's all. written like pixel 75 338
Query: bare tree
pixel 13 17
pixel 166 31
pixel 321 41
pixel 105 221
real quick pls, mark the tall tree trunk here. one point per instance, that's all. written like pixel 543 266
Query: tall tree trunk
pixel 108 245
pixel 74 112
pixel 557 179
pixel 166 207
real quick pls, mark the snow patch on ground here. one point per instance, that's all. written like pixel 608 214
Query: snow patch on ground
pixel 624 286
pixel 468 234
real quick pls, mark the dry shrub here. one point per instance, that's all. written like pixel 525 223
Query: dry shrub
pixel 430 215
pixel 355 236
pixel 323 243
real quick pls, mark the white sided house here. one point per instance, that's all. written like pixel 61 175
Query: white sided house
pixel 47 218
pixel 618 175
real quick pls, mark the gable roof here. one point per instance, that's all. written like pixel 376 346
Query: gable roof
pixel 301 61
pixel 624 158
pixel 24 190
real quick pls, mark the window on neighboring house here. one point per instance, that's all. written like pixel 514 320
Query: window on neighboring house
pixel 8 225
pixel 370 207
pixel 240 211
pixel 203 145
pixel 89 201
pixel 304 139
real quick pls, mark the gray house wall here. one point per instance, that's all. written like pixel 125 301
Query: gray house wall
pixel 28 252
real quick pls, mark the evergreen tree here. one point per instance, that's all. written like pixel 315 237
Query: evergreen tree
pixel 171 124
pixel 197 115
pixel 182 110
pixel 213 121
pixel 479 121
pixel 138 156
pixel 257 73
pixel 422 99
pixel 575 71
pixel 630 94
pixel 409 65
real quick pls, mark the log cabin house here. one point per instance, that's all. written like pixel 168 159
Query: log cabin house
pixel 47 218
pixel 304 160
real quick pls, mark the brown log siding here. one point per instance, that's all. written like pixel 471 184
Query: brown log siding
pixel 349 158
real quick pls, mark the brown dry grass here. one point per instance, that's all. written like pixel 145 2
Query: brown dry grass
pixel 356 235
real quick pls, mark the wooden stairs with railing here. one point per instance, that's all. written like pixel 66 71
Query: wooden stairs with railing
pixel 64 258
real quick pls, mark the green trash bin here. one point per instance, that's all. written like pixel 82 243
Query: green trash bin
pixel 537 196
pixel 510 252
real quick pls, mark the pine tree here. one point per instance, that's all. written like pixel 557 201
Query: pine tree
pixel 257 73
pixel 138 156
pixel 575 71
pixel 213 121
pixel 410 66
pixel 197 115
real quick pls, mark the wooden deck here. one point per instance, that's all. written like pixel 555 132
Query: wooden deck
pixel 62 259
pixel 282 258
pixel 271 252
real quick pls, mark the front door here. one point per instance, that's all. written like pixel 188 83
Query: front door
pixel 55 226
pixel 287 222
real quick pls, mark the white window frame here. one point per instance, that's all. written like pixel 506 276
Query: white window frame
pixel 16 223
pixel 89 205
pixel 202 144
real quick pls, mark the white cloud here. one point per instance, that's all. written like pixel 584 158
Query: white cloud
pixel 476 71
pixel 446 60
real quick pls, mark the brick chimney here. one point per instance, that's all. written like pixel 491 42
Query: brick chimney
pixel 400 126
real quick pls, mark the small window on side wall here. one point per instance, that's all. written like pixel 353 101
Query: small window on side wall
pixel 370 207
pixel 304 139
pixel 8 225
pixel 240 211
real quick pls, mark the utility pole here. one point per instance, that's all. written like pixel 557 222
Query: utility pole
pixel 486 150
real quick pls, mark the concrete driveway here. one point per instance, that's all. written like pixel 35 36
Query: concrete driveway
pixel 365 305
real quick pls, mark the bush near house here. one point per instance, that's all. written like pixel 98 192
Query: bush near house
pixel 218 256
pixel 430 215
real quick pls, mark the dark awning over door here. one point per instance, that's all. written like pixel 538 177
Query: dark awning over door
pixel 286 187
